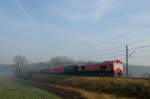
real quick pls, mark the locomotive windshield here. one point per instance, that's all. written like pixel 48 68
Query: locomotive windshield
pixel 118 68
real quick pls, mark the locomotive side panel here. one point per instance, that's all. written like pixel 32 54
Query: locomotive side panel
pixel 100 69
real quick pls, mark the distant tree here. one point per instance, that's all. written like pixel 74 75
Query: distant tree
pixel 20 61
pixel 61 61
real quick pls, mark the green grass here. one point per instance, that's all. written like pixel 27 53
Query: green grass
pixel 10 89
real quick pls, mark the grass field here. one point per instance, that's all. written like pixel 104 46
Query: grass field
pixel 11 89
pixel 108 88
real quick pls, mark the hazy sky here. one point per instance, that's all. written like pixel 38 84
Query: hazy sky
pixel 81 29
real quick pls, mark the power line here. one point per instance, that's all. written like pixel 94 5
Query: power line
pixel 141 47
pixel 141 56
pixel 147 52
pixel 122 35
pixel 107 49
pixel 143 51
pixel 112 57
pixel 117 47
pixel 112 52
pixel 138 41
pixel 109 56
pixel 104 54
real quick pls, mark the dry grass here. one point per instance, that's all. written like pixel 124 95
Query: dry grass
pixel 74 93
pixel 102 86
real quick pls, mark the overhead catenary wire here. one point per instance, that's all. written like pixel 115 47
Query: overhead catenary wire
pixel 109 51
pixel 130 43
pixel 109 54
pixel 121 54
pixel 141 56
pixel 121 35
pixel 140 47
pixel 145 52
pixel 104 54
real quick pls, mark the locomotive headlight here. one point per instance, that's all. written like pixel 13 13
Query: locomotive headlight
pixel 118 68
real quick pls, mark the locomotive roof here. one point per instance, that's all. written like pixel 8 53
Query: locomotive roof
pixel 104 62
pixel 114 61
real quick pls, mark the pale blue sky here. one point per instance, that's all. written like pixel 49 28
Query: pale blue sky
pixel 41 29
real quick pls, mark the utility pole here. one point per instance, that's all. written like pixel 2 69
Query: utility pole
pixel 127 56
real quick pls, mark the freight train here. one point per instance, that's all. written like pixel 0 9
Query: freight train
pixel 106 68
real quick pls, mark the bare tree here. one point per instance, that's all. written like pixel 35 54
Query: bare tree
pixel 61 61
pixel 20 62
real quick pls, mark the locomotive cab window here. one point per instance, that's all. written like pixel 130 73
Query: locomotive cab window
pixel 83 67
pixel 103 67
